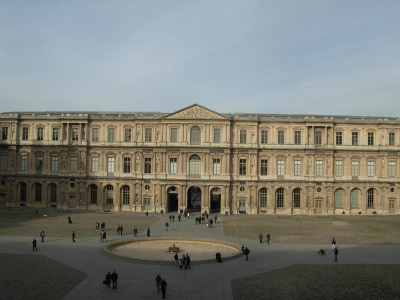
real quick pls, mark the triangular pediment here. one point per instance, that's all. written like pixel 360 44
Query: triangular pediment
pixel 195 111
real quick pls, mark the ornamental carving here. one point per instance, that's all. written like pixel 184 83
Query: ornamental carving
pixel 196 112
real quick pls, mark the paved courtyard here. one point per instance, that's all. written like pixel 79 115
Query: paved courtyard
pixel 368 266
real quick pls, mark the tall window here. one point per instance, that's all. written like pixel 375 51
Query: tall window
pixel 281 137
pixel 297 167
pixel 38 192
pixel 392 139
pixel 25 133
pixel 217 135
pixel 111 134
pixel 370 196
pixel 339 198
pixel 39 162
pixel 339 138
pixel 125 195
pixel 24 162
pixel 370 169
pixel 297 137
pixel 280 197
pixel 318 168
pixel 127 164
pixel 243 136
pixel 40 134
pixel 194 165
pixel 93 194
pixel 53 192
pixel 392 168
pixel 354 138
pixel 242 166
pixel 110 164
pixel 147 135
pixel 95 164
pixel 54 163
pixel 264 167
pixel 22 192
pixel 73 163
pixel 110 194
pixel 174 135
pixel 4 161
pixel 296 197
pixel 339 168
pixel 147 165
pixel 95 134
pixel 264 136
pixel 216 166
pixel 173 165
pixel 4 134
pixel 128 134
pixel 318 137
pixel 263 197
pixel 195 135
pixel 354 168
pixel 354 198
pixel 370 138
pixel 281 167
pixel 75 134
pixel 55 134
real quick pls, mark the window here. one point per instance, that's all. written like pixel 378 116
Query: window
pixel 296 198
pixel 40 134
pixel 75 134
pixel 147 135
pixel 392 168
pixel 243 136
pixel 55 134
pixel 195 135
pixel 95 134
pixel 38 192
pixel 370 169
pixel 354 138
pixel 339 198
pixel 111 134
pixel 95 164
pixel 174 135
pixel 53 192
pixel 54 163
pixel 339 168
pixel 173 165
pixel 370 196
pixel 110 194
pixel 125 195
pixel 242 166
pixel 147 165
pixel 281 137
pixel 354 168
pixel 93 194
pixel 370 138
pixel 73 163
pixel 39 162
pixel 297 137
pixel 281 167
pixel 4 161
pixel 110 164
pixel 216 166
pixel 264 136
pixel 392 140
pixel 194 165
pixel 127 164
pixel 22 192
pixel 263 197
pixel 318 168
pixel 264 167
pixel 354 198
pixel 128 134
pixel 217 135
pixel 279 197
pixel 297 167
pixel 25 132
pixel 339 138
pixel 318 138
pixel 24 162
pixel 4 134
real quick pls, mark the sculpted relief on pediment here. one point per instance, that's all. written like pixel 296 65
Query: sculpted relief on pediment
pixel 195 112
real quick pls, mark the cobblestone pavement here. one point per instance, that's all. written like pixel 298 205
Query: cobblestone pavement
pixel 203 281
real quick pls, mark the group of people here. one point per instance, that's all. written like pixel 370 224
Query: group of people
pixel 261 238
pixel 119 229
pixel 111 278
pixel 161 285
pixel 184 261
pixel 334 249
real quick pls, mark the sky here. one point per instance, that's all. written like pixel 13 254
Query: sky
pixel 313 57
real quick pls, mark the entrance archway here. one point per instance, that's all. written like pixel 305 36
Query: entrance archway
pixel 215 200
pixel 194 198
pixel 172 199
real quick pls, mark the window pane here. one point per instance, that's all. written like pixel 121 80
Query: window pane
pixel 216 166
pixel 264 167
pixel 95 164
pixel 339 137
pixel 281 137
pixel 147 135
pixel 217 135
pixel 297 137
pixel 128 134
pixel 281 167
pixel 111 134
pixel 55 134
pixel 127 164
pixel 242 167
pixel 95 135
pixel 73 163
pixel 339 168
pixel 110 164
pixel 243 136
pixel 174 135
pixel 264 136
pixel 54 163
pixel 173 165
pixel 297 167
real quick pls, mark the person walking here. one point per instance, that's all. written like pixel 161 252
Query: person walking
pixel 45 216
pixel 101 235
pixel 104 236
pixel 114 279
pixel 158 283
pixel 34 245
pixel 134 231
pixel 166 226
pixel 108 279
pixel 246 252
pixel 73 236
pixel 176 259
pixel 260 237
pixel 179 217
pixel 336 253
pixel 42 236
pixel 333 242
pixel 69 220
pixel 148 231
pixel 268 238
pixel 187 262
pixel 163 288
pixel 121 229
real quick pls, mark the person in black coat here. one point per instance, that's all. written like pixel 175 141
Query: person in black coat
pixel 163 288
pixel 114 279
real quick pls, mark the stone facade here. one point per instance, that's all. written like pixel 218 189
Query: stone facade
pixel 199 159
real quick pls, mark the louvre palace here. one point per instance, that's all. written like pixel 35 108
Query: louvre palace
pixel 198 159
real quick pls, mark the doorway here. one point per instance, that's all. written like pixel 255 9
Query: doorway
pixel 172 199
pixel 194 199
pixel 215 200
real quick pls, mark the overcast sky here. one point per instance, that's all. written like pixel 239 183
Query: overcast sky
pixel 287 57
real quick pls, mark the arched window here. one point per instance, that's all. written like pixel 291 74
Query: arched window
pixel 296 197
pixel 53 192
pixel 279 197
pixel 38 192
pixel 339 198
pixel 355 198
pixel 93 194
pixel 370 195
pixel 263 197
pixel 125 195
pixel 195 135
pixel 22 192
pixel 110 194
pixel 194 165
